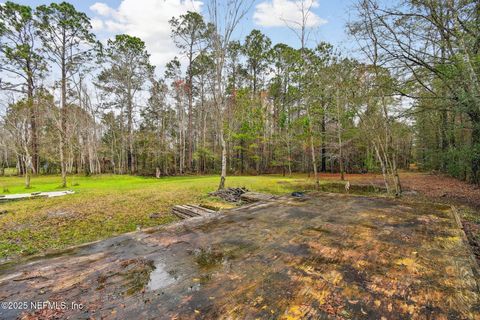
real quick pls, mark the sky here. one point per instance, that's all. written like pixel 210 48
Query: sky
pixel 148 19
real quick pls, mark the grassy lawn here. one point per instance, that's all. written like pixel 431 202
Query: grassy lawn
pixel 108 205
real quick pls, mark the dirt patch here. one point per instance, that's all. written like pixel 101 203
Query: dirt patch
pixel 65 214
pixel 443 188
pixel 432 188
pixel 439 188
pixel 362 189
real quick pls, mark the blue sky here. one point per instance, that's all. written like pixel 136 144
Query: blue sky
pixel 148 19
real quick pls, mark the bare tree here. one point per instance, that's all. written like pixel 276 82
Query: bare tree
pixel 189 33
pixel 16 122
pixel 429 46
pixel 225 17
pixel 302 31
pixel 67 42
pixel 19 57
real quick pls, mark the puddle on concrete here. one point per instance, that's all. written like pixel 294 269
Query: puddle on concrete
pixel 160 277
pixel 136 273
pixel 331 256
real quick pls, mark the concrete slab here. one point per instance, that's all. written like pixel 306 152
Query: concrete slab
pixel 328 256
pixel 21 196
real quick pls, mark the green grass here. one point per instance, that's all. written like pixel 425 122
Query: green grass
pixel 108 205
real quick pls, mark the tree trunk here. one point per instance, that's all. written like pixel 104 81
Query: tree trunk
pixel 314 161
pixel 33 124
pixel 28 166
pixel 63 120
pixel 475 162
pixel 130 154
pixel 223 176
pixel 340 142
pixel 324 149
pixel 384 169
pixel 242 156
pixel 398 186
pixel 190 110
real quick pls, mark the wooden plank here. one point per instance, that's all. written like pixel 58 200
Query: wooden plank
pixel 185 210
pixel 187 215
pixel 199 210
pixel 473 259
pixel 190 210
pixel 180 215
pixel 202 209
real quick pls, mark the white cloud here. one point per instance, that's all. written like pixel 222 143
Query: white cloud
pixel 114 27
pixel 101 9
pixel 97 24
pixel 146 19
pixel 280 13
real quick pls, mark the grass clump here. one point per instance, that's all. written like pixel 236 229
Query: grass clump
pixel 208 258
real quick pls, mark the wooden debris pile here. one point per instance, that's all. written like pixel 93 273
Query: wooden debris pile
pixel 190 211
pixel 230 194
pixel 239 195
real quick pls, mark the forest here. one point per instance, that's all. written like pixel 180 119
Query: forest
pixel 409 97
pixel 259 171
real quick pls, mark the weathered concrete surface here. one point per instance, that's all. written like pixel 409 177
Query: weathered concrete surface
pixel 22 196
pixel 336 257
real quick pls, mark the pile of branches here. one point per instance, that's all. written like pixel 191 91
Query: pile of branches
pixel 230 194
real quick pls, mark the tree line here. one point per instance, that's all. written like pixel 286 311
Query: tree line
pixel 243 106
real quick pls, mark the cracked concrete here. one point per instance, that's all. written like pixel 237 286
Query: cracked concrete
pixel 328 256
